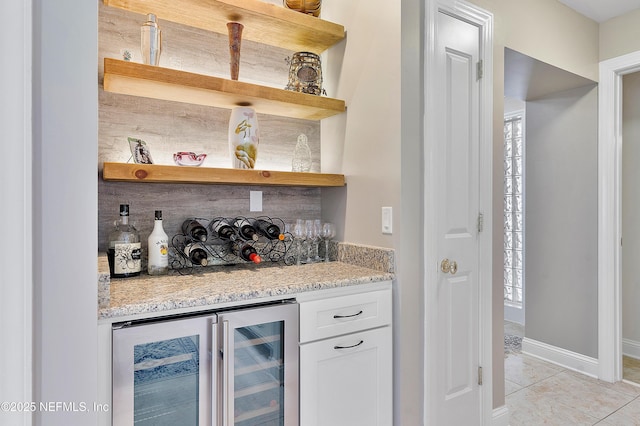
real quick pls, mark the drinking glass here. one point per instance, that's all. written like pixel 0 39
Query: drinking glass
pixel 317 229
pixel 299 234
pixel 328 232
pixel 311 237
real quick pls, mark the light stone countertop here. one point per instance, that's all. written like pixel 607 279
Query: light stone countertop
pixel 222 285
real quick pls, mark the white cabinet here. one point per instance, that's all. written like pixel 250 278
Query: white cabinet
pixel 346 360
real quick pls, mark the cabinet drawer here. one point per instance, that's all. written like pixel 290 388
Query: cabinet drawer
pixel 324 318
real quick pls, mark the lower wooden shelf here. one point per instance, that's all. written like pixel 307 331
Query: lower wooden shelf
pixel 130 172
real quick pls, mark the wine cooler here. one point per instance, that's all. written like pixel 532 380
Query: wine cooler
pixel 236 367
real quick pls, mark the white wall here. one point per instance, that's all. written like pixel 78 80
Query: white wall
pixel 631 215
pixel 15 214
pixel 561 241
pixel 64 208
pixel 620 35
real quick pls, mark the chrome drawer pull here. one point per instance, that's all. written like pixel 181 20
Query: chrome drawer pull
pixel 349 347
pixel 347 316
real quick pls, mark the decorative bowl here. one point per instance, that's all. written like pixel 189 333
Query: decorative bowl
pixel 188 158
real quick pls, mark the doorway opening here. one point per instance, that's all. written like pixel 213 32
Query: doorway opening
pixel 630 212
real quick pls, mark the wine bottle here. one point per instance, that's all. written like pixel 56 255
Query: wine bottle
pixel 158 246
pixel 124 251
pixel 194 229
pixel 245 229
pixel 268 229
pixel 196 254
pixel 246 252
pixel 223 230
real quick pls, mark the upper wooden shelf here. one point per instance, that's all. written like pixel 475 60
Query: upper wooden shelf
pixel 263 22
pixel 128 172
pixel 149 81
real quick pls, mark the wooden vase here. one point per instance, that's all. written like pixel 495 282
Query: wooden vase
pixel 235 38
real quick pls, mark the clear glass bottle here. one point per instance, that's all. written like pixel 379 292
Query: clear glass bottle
pixel 158 247
pixel 150 41
pixel 124 251
pixel 301 155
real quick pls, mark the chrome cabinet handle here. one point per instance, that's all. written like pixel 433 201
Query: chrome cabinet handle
pixel 347 316
pixel 349 347
pixel 449 266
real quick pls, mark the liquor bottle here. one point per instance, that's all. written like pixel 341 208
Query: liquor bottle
pixel 196 254
pixel 124 247
pixel 158 246
pixel 245 251
pixel 268 229
pixel 245 229
pixel 194 229
pixel 223 230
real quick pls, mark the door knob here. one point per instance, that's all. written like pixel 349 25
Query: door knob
pixel 449 266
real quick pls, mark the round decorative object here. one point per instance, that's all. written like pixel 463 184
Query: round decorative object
pixel 305 73
pixel 310 7
pixel 244 136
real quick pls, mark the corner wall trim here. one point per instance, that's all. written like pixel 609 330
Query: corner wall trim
pixel 500 416
pixel 562 357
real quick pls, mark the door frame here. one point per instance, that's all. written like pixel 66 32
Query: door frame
pixel 609 213
pixel 484 21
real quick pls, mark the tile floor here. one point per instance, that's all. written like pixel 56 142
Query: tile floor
pixel 541 393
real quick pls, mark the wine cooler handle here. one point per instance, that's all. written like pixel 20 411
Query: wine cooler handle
pixel 215 356
pixel 349 347
pixel 227 398
pixel 348 316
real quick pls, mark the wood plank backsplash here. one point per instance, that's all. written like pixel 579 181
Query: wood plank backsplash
pixel 168 127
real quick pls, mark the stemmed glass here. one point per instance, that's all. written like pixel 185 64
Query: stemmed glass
pixel 299 234
pixel 317 229
pixel 311 238
pixel 328 232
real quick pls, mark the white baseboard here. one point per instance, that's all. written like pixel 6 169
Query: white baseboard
pixel 500 416
pixel 562 357
pixel 631 348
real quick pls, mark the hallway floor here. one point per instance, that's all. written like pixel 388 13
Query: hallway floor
pixel 541 393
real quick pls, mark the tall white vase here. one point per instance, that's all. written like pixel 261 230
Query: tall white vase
pixel 244 136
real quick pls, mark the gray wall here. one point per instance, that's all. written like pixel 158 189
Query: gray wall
pixel 631 212
pixel 561 221
pixel 168 127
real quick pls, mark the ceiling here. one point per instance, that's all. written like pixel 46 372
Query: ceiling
pixel 602 10
pixel 528 79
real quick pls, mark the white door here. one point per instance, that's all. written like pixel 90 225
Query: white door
pixel 455 394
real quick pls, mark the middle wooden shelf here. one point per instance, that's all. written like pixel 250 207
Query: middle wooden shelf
pixel 149 81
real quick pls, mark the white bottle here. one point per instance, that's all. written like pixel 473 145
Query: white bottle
pixel 158 243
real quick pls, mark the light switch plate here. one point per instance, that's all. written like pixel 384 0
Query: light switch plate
pixel 255 201
pixel 387 220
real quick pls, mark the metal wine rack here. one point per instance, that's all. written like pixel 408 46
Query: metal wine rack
pixel 219 251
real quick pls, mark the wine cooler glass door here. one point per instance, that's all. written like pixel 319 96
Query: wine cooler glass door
pixel 260 366
pixel 162 372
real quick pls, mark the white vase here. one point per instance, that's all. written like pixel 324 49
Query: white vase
pixel 244 136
